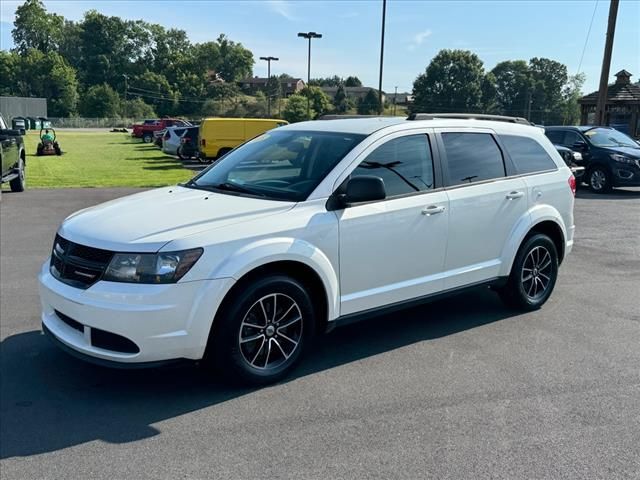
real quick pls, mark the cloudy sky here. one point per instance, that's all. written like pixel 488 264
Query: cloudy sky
pixel 416 31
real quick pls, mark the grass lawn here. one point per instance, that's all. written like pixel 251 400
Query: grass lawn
pixel 101 159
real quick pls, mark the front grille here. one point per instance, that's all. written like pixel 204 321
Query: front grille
pixel 113 342
pixel 78 265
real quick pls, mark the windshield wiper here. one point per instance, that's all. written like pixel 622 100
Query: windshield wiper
pixel 234 187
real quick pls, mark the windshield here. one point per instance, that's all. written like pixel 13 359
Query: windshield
pixel 279 165
pixel 608 137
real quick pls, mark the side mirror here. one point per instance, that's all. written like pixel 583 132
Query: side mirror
pixel 579 145
pixel 22 131
pixel 366 188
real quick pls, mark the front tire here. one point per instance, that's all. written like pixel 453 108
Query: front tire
pixel 18 183
pixel 262 330
pixel 146 138
pixel 599 180
pixel 533 274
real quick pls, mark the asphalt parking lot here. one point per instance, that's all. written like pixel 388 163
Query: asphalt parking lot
pixel 461 388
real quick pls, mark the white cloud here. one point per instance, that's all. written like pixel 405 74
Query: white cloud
pixel 418 39
pixel 282 8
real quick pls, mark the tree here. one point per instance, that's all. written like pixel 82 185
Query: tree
pixel 369 104
pixel 514 87
pixel 100 101
pixel 296 109
pixel 489 94
pixel 352 82
pixel 451 83
pixel 571 94
pixel 155 89
pixel 325 82
pixel 320 102
pixel 548 77
pixel 236 62
pixel 137 108
pixel 340 100
pixel 35 28
pixel 273 88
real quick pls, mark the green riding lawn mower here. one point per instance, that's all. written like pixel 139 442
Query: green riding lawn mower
pixel 48 144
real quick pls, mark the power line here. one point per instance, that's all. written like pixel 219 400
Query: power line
pixel 586 40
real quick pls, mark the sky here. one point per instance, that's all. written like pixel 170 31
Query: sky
pixel 415 31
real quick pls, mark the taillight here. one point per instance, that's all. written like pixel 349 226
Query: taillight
pixel 572 184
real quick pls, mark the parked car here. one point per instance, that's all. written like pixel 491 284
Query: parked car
pixel 188 148
pixel 241 266
pixel 171 140
pixel 611 158
pixel 573 160
pixel 157 137
pixel 220 135
pixel 146 130
pixel 13 159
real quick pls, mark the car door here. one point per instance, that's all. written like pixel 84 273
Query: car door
pixel 485 203
pixel 393 250
pixel 10 150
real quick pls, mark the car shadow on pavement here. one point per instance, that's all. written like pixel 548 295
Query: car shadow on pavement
pixel 51 401
pixel 615 194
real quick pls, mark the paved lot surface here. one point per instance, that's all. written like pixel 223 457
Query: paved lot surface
pixel 459 389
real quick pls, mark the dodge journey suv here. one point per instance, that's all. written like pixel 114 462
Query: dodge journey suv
pixel 302 228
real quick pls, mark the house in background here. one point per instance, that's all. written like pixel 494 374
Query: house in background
pixel 253 85
pixel 622 110
pixel 403 99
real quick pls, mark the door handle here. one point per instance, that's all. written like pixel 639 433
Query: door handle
pixel 432 210
pixel 514 195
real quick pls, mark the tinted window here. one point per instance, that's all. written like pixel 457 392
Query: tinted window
pixel 472 157
pixel 527 154
pixel 570 138
pixel 556 136
pixel 280 164
pixel 404 164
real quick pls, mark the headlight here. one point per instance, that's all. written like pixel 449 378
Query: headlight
pixel 164 267
pixel 616 157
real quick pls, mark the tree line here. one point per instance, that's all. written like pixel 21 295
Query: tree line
pixel 86 67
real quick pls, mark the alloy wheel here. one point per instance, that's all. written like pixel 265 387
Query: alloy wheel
pixel 271 331
pixel 598 180
pixel 537 271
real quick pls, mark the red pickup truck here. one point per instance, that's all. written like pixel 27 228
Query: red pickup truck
pixel 145 130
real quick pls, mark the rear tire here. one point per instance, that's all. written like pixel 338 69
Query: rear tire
pixel 599 179
pixel 18 183
pixel 533 274
pixel 261 331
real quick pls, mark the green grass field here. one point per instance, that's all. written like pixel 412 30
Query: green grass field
pixel 97 159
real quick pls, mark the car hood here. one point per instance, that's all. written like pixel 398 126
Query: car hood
pixel 146 221
pixel 628 151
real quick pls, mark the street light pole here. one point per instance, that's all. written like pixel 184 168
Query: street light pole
pixel 395 100
pixel 268 59
pixel 309 36
pixel 126 92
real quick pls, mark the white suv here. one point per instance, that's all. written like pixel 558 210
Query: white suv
pixel 305 227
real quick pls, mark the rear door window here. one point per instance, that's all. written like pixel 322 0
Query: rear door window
pixel 555 136
pixel 527 154
pixel 472 157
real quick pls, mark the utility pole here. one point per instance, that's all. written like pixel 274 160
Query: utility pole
pixel 268 59
pixel 395 100
pixel 126 92
pixel 309 36
pixel 384 12
pixel 606 64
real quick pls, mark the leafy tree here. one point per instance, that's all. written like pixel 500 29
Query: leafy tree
pixel 8 69
pixel 452 82
pixel 320 102
pixel 100 101
pixel 35 28
pixel 340 100
pixel 273 88
pixel 325 82
pixel 489 94
pixel 155 89
pixel 571 94
pixel 514 87
pixel 137 108
pixel 370 104
pixel 222 90
pixel 548 77
pixel 296 109
pixel 236 62
pixel 352 82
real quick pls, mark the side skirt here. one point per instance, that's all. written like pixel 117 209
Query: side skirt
pixel 394 307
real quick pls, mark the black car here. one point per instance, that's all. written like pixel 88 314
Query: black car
pixel 12 157
pixel 573 160
pixel 188 148
pixel 611 158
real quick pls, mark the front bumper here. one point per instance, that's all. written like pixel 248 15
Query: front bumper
pixel 165 322
pixel 626 175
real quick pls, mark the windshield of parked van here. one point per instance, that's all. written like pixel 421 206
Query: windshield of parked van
pixel 279 165
pixel 608 137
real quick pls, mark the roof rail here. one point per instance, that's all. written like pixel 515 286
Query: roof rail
pixel 332 116
pixel 469 116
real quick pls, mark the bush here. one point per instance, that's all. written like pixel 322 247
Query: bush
pixel 100 101
pixel 296 109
